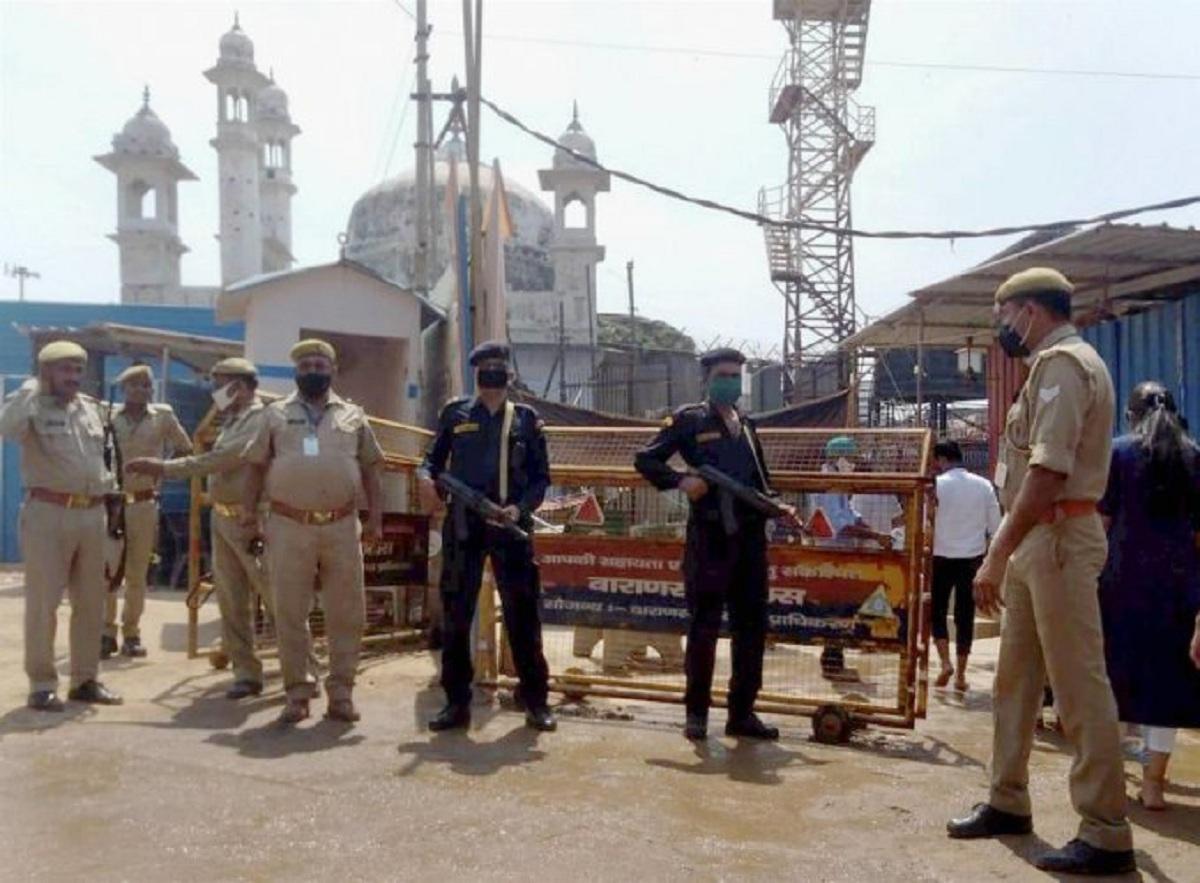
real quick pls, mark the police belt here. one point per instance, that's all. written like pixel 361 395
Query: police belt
pixel 67 501
pixel 1064 509
pixel 312 516
pixel 132 497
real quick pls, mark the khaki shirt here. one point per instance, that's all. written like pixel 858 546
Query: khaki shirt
pixel 1062 420
pixel 226 463
pixel 326 477
pixel 62 448
pixel 156 431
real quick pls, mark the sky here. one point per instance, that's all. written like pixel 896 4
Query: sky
pixel 686 106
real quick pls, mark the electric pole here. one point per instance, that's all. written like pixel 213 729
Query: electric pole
pixel 425 259
pixel 634 340
pixel 473 52
pixel 21 274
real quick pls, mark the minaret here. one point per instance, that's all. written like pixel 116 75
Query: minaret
pixel 275 134
pixel 574 251
pixel 238 83
pixel 148 170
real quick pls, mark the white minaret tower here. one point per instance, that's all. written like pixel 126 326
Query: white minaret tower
pixel 147 166
pixel 574 251
pixel 275 134
pixel 238 83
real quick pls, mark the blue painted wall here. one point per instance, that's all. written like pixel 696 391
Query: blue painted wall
pixel 185 393
pixel 1161 343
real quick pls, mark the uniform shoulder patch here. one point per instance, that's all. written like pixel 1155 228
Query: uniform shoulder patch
pixel 1049 393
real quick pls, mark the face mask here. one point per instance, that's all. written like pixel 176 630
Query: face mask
pixel 844 465
pixel 492 378
pixel 725 389
pixel 313 385
pixel 1012 341
pixel 224 396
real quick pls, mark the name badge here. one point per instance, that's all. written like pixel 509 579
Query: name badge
pixel 707 437
pixel 312 446
pixel 1001 475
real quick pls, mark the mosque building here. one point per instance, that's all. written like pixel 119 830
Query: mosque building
pixel 550 260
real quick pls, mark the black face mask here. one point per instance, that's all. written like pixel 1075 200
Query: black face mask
pixel 1012 342
pixel 492 378
pixel 313 385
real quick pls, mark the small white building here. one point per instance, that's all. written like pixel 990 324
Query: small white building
pixel 374 324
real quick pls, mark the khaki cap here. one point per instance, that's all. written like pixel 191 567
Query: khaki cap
pixel 135 371
pixel 236 366
pixel 59 350
pixel 313 347
pixel 1032 281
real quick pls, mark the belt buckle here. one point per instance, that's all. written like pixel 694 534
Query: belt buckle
pixel 78 501
pixel 320 518
pixel 130 498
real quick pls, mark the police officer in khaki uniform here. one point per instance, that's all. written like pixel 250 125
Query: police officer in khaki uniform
pixel 318 452
pixel 62 522
pixel 1053 469
pixel 142 429
pixel 237 575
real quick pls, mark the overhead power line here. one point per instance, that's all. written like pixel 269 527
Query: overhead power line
pixel 913 65
pixel 764 220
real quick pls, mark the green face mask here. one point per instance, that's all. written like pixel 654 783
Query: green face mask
pixel 724 390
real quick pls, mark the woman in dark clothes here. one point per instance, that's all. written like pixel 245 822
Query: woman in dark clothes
pixel 1150 588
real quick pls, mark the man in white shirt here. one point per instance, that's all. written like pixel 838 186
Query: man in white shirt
pixel 968 516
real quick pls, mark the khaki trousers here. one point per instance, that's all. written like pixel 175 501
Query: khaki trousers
pixel 62 548
pixel 300 553
pixel 236 580
pixel 141 531
pixel 1052 628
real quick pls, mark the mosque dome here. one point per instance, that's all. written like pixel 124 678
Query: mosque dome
pixel 273 102
pixel 576 139
pixel 145 134
pixel 382 227
pixel 236 46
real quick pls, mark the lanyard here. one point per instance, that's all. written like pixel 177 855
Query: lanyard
pixel 313 424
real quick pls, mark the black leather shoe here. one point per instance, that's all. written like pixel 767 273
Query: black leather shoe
pixel 751 727
pixel 44 700
pixel 541 719
pixel 95 693
pixel 1082 858
pixel 108 646
pixel 243 689
pixel 695 729
pixel 452 717
pixel 133 648
pixel 987 821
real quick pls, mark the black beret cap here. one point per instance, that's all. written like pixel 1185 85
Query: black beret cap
pixel 492 349
pixel 721 354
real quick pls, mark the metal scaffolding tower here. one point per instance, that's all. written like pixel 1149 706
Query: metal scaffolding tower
pixel 827 134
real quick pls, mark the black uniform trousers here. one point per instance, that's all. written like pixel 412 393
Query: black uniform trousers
pixel 955 575
pixel 516 577
pixel 722 571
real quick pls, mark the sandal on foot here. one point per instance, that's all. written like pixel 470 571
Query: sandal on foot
pixel 295 711
pixel 1155 803
pixel 944 677
pixel 342 710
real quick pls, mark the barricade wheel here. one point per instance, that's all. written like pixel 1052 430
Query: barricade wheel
pixel 831 725
pixel 576 695
pixel 218 660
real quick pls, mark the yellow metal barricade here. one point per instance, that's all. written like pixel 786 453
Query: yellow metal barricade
pixel 612 593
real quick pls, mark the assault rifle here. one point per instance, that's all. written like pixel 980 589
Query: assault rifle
pixel 730 489
pixel 114 503
pixel 477 502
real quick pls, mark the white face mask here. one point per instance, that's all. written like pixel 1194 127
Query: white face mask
pixel 844 465
pixel 224 396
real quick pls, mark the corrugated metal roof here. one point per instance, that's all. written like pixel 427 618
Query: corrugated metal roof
pixel 1115 267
